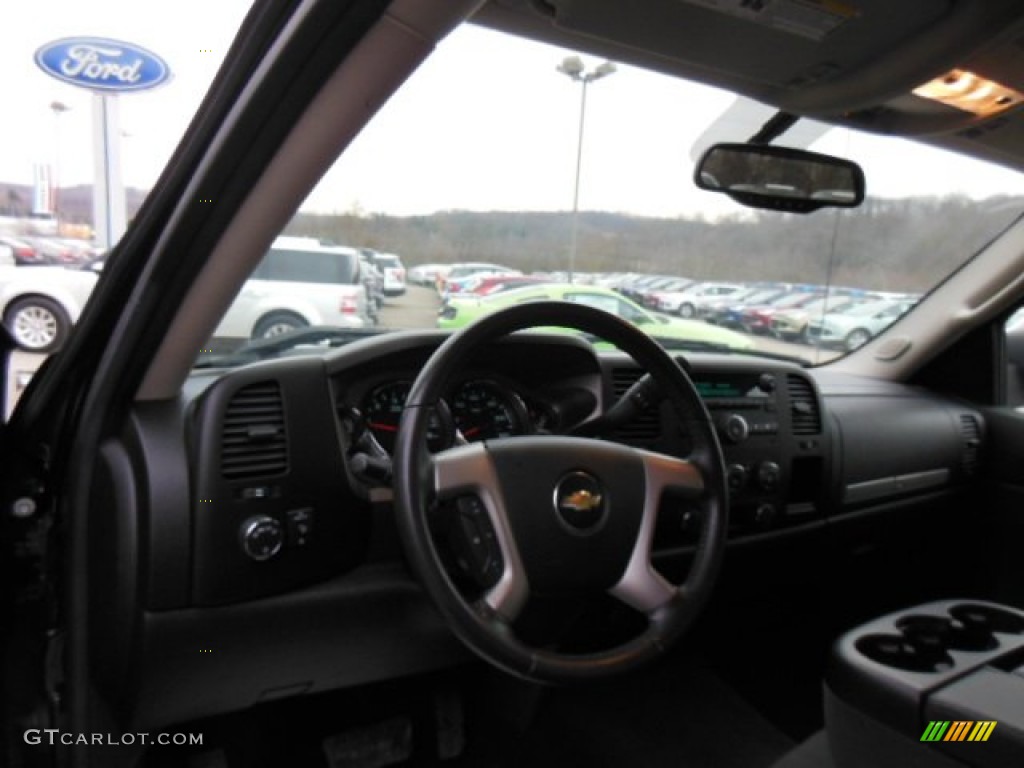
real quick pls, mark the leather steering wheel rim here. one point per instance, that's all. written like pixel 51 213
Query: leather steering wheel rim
pixel 485 626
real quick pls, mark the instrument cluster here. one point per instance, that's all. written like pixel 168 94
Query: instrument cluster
pixel 474 409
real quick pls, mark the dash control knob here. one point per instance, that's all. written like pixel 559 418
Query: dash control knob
pixel 735 428
pixel 765 514
pixel 768 476
pixel 736 476
pixel 262 537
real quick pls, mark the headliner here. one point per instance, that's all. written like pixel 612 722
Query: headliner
pixel 852 62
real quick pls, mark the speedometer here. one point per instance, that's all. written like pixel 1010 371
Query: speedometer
pixel 484 410
pixel 383 408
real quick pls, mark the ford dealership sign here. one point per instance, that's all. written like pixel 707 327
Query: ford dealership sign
pixel 100 64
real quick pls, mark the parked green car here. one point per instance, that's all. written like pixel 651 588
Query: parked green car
pixel 459 312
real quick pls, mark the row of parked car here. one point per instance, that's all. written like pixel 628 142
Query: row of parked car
pixel 842 318
pixel 32 250
pixel 299 282
pixel 498 292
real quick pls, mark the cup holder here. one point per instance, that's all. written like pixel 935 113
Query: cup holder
pixel 924 641
pixel 947 634
pixel 912 654
pixel 987 619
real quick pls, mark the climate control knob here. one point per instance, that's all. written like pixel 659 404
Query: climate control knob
pixel 764 515
pixel 735 428
pixel 768 476
pixel 262 537
pixel 736 476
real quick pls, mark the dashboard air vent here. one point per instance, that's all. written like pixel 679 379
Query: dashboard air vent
pixel 970 430
pixel 253 440
pixel 647 425
pixel 803 406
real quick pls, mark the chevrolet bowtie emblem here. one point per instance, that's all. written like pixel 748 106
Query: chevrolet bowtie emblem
pixel 581 501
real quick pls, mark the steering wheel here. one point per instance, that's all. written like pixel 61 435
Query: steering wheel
pixel 562 514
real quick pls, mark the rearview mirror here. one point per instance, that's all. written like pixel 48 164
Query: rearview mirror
pixel 780 178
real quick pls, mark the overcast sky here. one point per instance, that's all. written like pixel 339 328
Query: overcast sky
pixel 486 124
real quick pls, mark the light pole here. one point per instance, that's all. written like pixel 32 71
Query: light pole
pixel 573 67
pixel 58 108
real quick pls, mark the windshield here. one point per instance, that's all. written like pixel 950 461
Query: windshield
pixel 488 161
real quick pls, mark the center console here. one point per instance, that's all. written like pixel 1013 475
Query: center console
pixel 940 685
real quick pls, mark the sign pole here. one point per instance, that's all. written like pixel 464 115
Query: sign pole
pixel 106 67
pixel 108 201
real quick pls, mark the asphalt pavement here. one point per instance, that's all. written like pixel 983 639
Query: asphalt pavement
pixel 416 308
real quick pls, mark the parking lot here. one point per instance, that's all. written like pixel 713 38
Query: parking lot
pixel 416 308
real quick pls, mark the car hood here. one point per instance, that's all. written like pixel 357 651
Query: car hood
pixel 694 330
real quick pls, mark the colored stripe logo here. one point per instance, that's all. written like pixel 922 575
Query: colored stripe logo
pixel 958 730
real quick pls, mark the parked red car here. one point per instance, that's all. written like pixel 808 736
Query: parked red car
pixel 758 319
pixel 24 253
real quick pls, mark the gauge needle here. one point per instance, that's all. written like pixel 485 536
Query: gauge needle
pixel 382 427
pixel 467 433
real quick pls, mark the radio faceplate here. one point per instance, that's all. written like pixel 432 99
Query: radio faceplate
pixel 771 431
pixel 751 429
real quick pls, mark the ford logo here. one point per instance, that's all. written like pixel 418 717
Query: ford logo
pixel 100 64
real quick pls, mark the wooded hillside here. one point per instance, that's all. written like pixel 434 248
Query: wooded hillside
pixel 896 245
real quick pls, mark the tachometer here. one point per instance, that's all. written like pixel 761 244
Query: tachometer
pixel 484 410
pixel 383 408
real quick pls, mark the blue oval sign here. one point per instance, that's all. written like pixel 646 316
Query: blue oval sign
pixel 100 64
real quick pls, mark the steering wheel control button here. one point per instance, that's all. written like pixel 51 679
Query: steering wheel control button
pixel 300 526
pixel 478 553
pixel 580 502
pixel 262 537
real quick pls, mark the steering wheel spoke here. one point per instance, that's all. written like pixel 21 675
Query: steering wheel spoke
pixel 467 474
pixel 641 586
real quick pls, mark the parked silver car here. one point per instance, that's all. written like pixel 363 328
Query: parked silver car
pixel 688 301
pixel 857 326
pixel 40 305
pixel 394 273
pixel 299 283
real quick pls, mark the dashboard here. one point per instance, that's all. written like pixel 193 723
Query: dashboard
pixel 261 526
